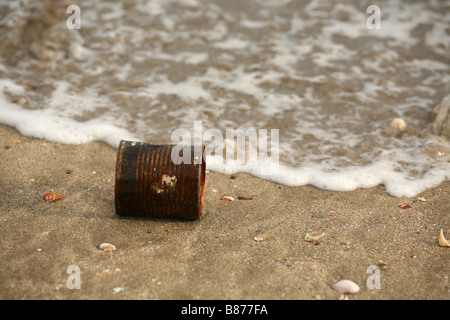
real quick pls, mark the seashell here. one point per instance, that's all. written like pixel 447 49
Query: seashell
pixel 258 238
pixel 442 241
pixel 404 206
pixel 107 247
pixel 102 273
pixel 227 198
pixel 346 286
pixel 398 124
pixel 313 237
pixel 382 265
pixel 50 196
pixel 343 297
pixel 422 199
pixel 21 100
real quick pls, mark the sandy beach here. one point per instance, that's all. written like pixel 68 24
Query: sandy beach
pixel 244 249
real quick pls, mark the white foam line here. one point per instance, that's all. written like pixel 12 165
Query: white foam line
pixel 347 179
pixel 42 125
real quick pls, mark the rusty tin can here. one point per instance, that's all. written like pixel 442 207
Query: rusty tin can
pixel 149 183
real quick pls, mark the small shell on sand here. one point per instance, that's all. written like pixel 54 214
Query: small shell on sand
pixel 102 273
pixel 227 198
pixel 404 206
pixel 346 286
pixel 442 241
pixel 50 196
pixel 382 265
pixel 107 247
pixel 21 100
pixel 398 124
pixel 117 290
pixel 258 238
pixel 314 236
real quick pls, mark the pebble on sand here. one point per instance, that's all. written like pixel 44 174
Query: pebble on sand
pixel 227 198
pixel 102 273
pixel 107 247
pixel 314 236
pixel 398 124
pixel 382 265
pixel 346 286
pixel 404 206
pixel 21 100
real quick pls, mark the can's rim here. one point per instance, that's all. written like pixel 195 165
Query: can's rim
pixel 201 183
pixel 117 178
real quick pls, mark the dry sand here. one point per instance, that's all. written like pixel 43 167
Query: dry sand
pixel 215 257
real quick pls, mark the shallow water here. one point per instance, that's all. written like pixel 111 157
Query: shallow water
pixel 311 69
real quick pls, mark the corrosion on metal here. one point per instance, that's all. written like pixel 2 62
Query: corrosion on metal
pixel 149 183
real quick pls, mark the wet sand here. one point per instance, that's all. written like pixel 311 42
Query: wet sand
pixel 217 256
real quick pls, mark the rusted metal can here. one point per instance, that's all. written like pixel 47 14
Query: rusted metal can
pixel 150 183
